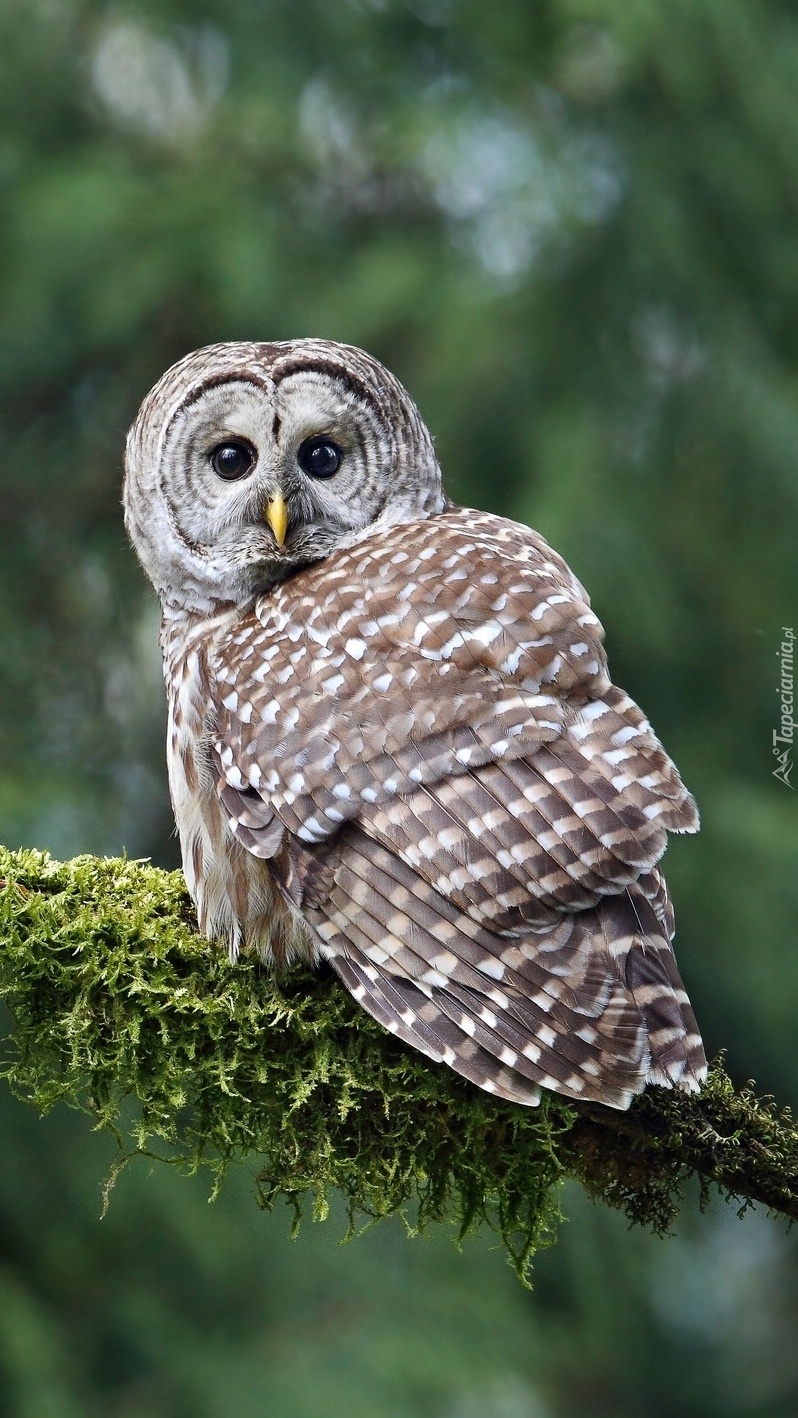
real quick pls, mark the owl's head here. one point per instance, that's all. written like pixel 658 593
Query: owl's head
pixel 247 461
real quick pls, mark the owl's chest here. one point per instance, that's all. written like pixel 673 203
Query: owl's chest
pixel 237 900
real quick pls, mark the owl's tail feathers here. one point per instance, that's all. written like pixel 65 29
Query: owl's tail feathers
pixel 418 1019
pixel 591 1008
pixel 638 926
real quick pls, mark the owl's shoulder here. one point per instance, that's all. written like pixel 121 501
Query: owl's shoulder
pixel 459 559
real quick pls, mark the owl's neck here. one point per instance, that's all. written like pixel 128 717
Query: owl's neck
pixel 186 632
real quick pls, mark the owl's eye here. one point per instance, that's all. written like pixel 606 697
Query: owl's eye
pixel 232 460
pixel 319 457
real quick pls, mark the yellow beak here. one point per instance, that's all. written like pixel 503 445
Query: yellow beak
pixel 276 514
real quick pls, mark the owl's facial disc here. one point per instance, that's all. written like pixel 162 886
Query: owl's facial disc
pixel 249 461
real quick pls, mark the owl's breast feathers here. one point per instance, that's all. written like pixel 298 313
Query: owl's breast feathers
pixel 419 739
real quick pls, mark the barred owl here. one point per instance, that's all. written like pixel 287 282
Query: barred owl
pixel 393 743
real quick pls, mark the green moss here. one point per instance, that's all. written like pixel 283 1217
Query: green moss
pixel 116 998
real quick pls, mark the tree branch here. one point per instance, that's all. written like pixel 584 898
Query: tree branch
pixel 116 998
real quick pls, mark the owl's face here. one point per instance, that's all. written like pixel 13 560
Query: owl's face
pixel 247 461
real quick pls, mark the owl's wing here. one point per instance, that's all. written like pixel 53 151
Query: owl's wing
pixel 421 734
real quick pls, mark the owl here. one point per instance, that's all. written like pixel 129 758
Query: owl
pixel 393 743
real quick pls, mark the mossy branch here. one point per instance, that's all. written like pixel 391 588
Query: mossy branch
pixel 116 998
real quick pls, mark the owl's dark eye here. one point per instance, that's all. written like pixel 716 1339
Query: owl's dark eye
pixel 319 457
pixel 232 460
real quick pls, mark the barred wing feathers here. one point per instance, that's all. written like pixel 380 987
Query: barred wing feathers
pixel 421 737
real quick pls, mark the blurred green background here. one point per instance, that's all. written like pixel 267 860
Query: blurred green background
pixel 571 228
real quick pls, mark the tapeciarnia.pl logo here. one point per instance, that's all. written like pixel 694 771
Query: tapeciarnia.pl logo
pixel 784 736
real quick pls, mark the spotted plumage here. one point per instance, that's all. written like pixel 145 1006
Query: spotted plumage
pixel 393 741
